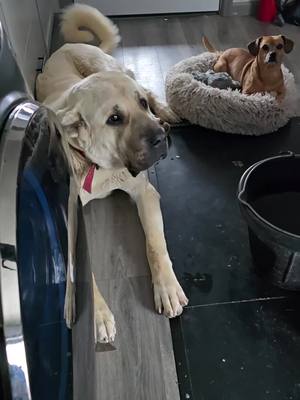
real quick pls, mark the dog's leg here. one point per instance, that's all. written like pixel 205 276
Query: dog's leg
pixel 104 321
pixel 160 109
pixel 221 65
pixel 168 295
pixel 70 308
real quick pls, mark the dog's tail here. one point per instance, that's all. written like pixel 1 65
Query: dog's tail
pixel 206 43
pixel 80 16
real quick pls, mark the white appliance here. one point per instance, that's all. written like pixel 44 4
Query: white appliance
pixel 139 7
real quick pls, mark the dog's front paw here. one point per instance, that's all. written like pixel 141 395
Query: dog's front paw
pixel 70 305
pixel 105 326
pixel 169 297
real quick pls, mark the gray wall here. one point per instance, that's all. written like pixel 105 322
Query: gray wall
pixel 29 28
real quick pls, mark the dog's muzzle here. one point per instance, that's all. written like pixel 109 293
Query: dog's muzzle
pixel 155 149
pixel 272 59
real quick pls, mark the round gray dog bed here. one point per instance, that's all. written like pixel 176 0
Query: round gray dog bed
pixel 226 110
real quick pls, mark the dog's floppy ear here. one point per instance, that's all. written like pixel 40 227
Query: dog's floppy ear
pixel 70 121
pixel 288 44
pixel 75 126
pixel 253 47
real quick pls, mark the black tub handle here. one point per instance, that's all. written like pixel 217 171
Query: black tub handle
pixel 292 271
pixel 245 202
pixel 287 153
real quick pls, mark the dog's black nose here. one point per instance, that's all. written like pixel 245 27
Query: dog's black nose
pixel 156 140
pixel 157 137
pixel 272 56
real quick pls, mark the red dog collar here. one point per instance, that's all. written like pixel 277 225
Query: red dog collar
pixel 87 183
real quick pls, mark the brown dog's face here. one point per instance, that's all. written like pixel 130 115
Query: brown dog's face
pixel 109 118
pixel 270 49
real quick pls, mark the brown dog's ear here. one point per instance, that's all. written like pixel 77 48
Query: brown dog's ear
pixel 253 47
pixel 288 44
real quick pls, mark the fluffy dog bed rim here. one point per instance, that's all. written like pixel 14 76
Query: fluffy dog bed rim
pixel 227 110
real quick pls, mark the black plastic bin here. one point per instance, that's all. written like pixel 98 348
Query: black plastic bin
pixel 269 197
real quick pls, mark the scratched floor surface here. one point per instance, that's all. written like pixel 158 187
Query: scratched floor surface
pixel 239 339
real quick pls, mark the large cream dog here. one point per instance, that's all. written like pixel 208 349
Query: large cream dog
pixel 112 130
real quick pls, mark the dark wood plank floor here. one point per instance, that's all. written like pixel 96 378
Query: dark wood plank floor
pixel 142 367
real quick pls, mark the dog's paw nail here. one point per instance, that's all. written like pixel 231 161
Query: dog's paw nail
pixel 178 311
pixel 169 297
pixel 105 328
pixel 185 302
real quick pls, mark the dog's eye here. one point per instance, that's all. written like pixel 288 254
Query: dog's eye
pixel 279 46
pixel 265 47
pixel 114 119
pixel 144 103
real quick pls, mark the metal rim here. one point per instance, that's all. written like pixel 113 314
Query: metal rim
pixel 10 150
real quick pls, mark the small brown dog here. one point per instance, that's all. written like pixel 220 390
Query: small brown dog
pixel 259 69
